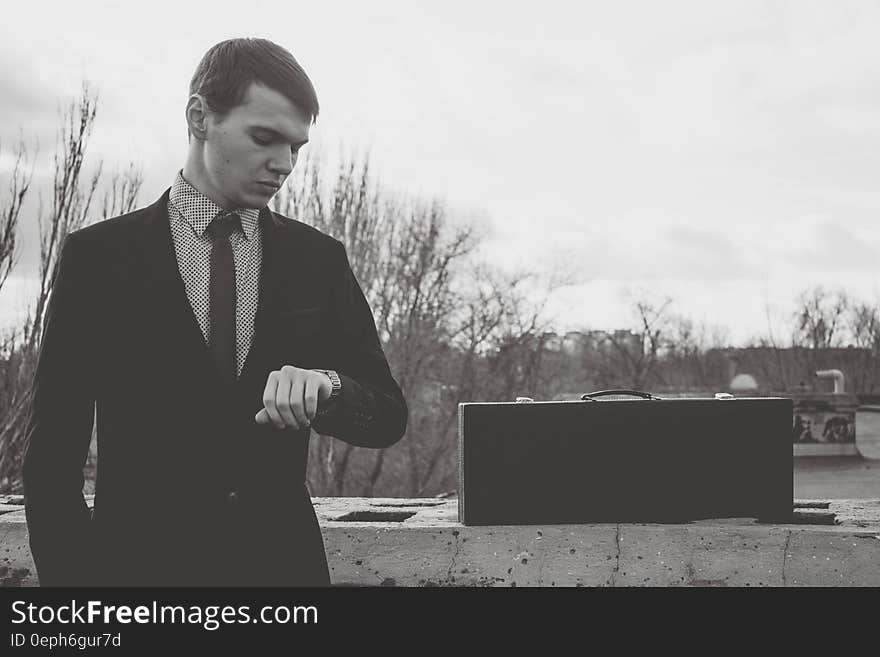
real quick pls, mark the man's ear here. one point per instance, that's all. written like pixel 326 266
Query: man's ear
pixel 197 116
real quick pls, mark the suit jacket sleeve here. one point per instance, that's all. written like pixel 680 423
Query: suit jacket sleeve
pixel 371 410
pixel 60 425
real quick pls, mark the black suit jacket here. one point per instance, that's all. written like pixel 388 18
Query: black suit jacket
pixel 190 490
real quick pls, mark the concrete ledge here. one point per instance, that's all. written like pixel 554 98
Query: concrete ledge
pixel 825 449
pixel 419 542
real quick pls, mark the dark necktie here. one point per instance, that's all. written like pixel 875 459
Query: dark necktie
pixel 222 292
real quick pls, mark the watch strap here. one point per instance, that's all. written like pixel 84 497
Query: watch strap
pixel 335 382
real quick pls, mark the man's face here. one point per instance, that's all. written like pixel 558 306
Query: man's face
pixel 249 152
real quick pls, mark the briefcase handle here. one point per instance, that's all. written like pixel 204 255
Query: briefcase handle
pixel 592 396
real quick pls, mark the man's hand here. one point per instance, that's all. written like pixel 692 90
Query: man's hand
pixel 291 397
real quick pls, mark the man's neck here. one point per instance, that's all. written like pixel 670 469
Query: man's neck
pixel 194 174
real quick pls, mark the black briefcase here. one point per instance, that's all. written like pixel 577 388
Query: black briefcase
pixel 638 459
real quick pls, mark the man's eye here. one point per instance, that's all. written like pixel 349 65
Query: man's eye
pixel 261 142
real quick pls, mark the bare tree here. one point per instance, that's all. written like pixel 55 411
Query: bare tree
pixel 819 318
pixel 70 209
pixel 690 361
pixel 122 195
pixel 11 356
pixel 10 206
pixel 863 326
pixel 71 198
pixel 634 353
pixel 413 301
pixel 497 352
pixel 780 374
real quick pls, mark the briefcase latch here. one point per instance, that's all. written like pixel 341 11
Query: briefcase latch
pixel 724 395
pixel 524 400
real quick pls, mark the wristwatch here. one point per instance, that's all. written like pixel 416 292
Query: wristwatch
pixel 335 383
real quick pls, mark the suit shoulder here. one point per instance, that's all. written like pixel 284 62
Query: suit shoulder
pixel 112 229
pixel 309 234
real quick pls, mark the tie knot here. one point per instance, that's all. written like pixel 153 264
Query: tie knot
pixel 223 224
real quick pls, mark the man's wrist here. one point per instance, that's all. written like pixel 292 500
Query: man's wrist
pixel 335 383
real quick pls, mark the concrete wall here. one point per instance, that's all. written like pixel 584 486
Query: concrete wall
pixel 418 542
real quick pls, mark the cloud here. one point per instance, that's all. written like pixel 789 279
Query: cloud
pixel 631 256
pixel 836 249
pixel 28 106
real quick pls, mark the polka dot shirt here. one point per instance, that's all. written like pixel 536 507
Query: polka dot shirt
pixel 190 212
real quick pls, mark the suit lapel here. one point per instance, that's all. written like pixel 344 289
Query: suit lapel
pixel 284 278
pixel 170 313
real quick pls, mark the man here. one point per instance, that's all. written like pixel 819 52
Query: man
pixel 212 335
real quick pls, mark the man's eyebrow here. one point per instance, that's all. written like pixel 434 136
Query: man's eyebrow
pixel 277 135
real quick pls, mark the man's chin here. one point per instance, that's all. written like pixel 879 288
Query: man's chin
pixel 256 201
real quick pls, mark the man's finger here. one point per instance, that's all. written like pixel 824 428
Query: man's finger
pixel 269 400
pixel 297 387
pixel 282 401
pixel 262 417
pixel 310 395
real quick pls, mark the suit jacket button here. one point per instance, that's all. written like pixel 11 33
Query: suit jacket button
pixel 232 497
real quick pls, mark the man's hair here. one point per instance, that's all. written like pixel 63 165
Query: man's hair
pixel 227 70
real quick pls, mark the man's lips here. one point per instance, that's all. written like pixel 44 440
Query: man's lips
pixel 269 185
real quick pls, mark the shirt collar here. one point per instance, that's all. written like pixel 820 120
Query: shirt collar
pixel 199 210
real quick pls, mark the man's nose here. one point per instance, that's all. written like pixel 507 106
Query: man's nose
pixel 282 162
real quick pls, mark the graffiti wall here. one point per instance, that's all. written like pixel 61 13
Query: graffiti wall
pixel 822 418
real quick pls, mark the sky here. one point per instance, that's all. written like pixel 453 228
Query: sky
pixel 723 154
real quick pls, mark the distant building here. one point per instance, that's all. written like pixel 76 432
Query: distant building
pixel 573 343
pixel 551 341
